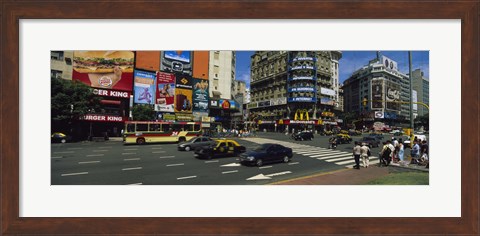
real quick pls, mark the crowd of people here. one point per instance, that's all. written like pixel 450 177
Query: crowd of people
pixel 393 151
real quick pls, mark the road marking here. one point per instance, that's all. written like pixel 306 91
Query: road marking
pixel 258 177
pixel 105 147
pixel 159 152
pixel 74 148
pixel 79 173
pixel 187 177
pixel 101 150
pixel 166 157
pixel 279 173
pixel 333 156
pixel 265 167
pixel 130 149
pixel 58 157
pixel 293 163
pixel 128 153
pixel 157 148
pixel 95 155
pixel 64 152
pixel 211 161
pixel 340 159
pixel 133 168
pixel 231 165
pixel 324 155
pixel 179 164
pixel 88 162
pixel 228 172
pixel 135 184
pixel 131 159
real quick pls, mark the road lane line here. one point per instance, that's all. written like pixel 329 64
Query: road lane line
pixel 104 147
pixel 130 149
pixel 159 152
pixel 135 184
pixel 101 150
pixel 74 148
pixel 265 167
pixel 162 157
pixel 56 157
pixel 64 152
pixel 131 159
pixel 179 164
pixel 88 162
pixel 95 155
pixel 187 177
pixel 293 163
pixel 324 155
pixel 228 172
pixel 129 153
pixel 211 161
pixel 133 168
pixel 79 173
pixel 157 148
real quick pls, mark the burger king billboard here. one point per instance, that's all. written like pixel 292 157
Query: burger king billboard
pixel 111 70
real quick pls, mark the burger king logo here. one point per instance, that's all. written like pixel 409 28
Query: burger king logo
pixel 105 81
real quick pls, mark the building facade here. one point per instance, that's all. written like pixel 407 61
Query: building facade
pixel 421 85
pixel 378 92
pixel 61 64
pixel 293 89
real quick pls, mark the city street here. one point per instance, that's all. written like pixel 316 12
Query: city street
pixel 113 163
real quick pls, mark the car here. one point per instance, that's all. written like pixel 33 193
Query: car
pixel 193 143
pixel 420 137
pixel 58 137
pixel 304 135
pixel 371 141
pixel 395 131
pixel 353 132
pixel 266 153
pixel 343 138
pixel 221 148
pixel 378 136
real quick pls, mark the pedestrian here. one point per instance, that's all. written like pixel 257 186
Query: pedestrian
pixel 365 153
pixel 395 152
pixel 386 153
pixel 415 152
pixel 356 155
pixel 401 151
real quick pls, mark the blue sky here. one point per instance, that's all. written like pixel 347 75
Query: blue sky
pixel 351 61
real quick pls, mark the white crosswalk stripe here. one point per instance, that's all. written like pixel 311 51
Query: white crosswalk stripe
pixel 337 157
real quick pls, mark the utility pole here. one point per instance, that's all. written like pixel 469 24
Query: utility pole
pixel 411 87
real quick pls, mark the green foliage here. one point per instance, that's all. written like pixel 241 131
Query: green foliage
pixel 143 112
pixel 66 93
pixel 403 178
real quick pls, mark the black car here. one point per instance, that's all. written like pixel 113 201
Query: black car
pixel 194 143
pixel 266 153
pixel 371 141
pixel 304 135
pixel 376 135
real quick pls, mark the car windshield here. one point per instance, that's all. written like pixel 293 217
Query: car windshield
pixel 262 147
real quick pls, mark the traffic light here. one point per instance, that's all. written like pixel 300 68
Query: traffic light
pixel 364 102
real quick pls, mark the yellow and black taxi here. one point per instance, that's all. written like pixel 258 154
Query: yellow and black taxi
pixel 343 138
pixel 221 148
pixel 58 137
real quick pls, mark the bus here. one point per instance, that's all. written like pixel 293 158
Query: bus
pixel 141 132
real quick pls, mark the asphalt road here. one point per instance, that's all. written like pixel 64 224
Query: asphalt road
pixel 113 163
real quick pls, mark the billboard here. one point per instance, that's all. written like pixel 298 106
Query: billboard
pixel 147 60
pixel 414 99
pixel 389 63
pixel 176 61
pixel 200 64
pixel 165 92
pixel 329 92
pixel 301 99
pixel 377 94
pixel 327 101
pixel 392 96
pixel 200 95
pixel 144 87
pixel 183 93
pixel 112 70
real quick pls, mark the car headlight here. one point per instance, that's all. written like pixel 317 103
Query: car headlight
pixel 250 158
pixel 181 145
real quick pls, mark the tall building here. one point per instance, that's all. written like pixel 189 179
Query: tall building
pixel 222 73
pixel 421 85
pixel 293 90
pixel 341 98
pixel 61 64
pixel 385 89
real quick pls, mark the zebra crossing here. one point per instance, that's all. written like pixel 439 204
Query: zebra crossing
pixel 337 157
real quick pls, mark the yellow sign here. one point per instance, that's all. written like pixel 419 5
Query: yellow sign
pixel 301 115
pixel 280 122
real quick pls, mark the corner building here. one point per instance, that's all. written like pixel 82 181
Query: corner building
pixel 294 90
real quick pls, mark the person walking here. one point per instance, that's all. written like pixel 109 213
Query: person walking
pixel 415 152
pixel 365 153
pixel 401 152
pixel 356 155
pixel 395 152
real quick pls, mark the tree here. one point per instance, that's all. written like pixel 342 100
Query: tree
pixel 422 121
pixel 143 112
pixel 69 101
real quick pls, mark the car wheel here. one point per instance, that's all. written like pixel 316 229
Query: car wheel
pixel 286 159
pixel 63 140
pixel 259 162
pixel 188 148
pixel 140 141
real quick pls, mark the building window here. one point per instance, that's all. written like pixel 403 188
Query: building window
pixel 56 74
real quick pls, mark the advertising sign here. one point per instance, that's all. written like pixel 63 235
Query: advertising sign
pixel 264 104
pixel 326 91
pixel 183 93
pixel 379 115
pixel 184 117
pixel 214 103
pixel 377 94
pixel 302 78
pixel 165 116
pixel 301 99
pixel 111 93
pixel 302 89
pixel 165 92
pixel 390 115
pixel 392 96
pixel 224 103
pixel 176 61
pixel 111 70
pixel 200 95
pixel 103 118
pixel 327 101
pixel 144 87
pixel 414 99
pixel 389 63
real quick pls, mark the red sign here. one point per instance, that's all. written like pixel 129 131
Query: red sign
pixel 111 93
pixel 103 118
pixel 124 82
